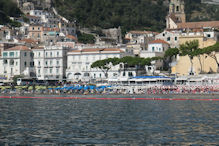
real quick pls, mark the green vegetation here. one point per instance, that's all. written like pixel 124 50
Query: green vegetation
pixel 129 14
pixel 196 11
pixel 85 38
pixel 106 64
pixel 9 8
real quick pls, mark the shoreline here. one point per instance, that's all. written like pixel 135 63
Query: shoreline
pixel 171 96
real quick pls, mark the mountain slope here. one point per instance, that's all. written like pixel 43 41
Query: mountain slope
pixel 129 14
pixel 8 8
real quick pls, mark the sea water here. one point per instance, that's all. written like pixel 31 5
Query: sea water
pixel 108 122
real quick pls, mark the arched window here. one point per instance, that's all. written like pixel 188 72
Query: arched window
pixel 177 8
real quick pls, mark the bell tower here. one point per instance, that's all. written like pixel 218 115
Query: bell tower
pixel 176 8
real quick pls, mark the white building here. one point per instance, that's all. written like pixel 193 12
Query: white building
pixel 138 40
pixel 17 61
pixel 50 62
pixel 172 37
pixel 79 63
pixel 156 48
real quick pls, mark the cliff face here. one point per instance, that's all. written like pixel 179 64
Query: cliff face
pixel 25 5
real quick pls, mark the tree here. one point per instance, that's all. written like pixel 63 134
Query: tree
pixel 16 77
pixel 168 56
pixel 198 53
pixel 211 51
pixel 86 38
pixel 189 49
pixel 105 65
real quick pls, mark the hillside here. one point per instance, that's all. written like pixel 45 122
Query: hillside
pixel 130 14
pixel 8 8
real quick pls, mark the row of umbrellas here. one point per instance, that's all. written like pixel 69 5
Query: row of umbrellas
pixel 81 88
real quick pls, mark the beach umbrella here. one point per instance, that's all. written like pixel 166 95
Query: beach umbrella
pixel 86 88
pixel 81 87
pixel 92 87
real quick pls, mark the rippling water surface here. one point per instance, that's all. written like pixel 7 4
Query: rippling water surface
pixel 113 122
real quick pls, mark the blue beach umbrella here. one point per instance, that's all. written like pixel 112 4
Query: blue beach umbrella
pixel 92 87
pixel 86 88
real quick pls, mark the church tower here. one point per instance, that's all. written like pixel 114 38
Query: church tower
pixel 176 13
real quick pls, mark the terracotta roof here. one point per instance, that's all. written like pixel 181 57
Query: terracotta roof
pixel 21 48
pixel 4 28
pixel 158 42
pixel 38 48
pixel 99 49
pixel 214 24
pixel 71 37
pixel 28 41
pixel 50 29
pixel 141 32
pixel 31 16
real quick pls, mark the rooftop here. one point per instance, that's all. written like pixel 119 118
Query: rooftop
pixel 99 50
pixel 158 42
pixel 19 48
pixel 213 24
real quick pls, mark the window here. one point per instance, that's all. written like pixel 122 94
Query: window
pixel 57 70
pixel 50 62
pixel 46 54
pixel 152 49
pixel 100 75
pixel 16 54
pixel 25 63
pixel 163 34
pixel 94 75
pixel 11 62
pixel 46 63
pixel 39 54
pixel 123 74
pixel 50 54
pixel 57 62
pixel 168 39
pixel 5 54
pixel 130 74
pixel 11 54
pixel 5 61
pixel 25 53
pixel 209 35
pixel 175 38
pixel 177 8
pixel 16 63
pixel 50 70
pixel 57 54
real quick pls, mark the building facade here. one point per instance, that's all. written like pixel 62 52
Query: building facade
pixel 79 64
pixel 17 61
pixel 156 48
pixel 50 62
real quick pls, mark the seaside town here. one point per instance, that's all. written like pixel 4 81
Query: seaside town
pixel 109 72
pixel 43 54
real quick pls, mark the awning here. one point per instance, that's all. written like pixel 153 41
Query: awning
pixel 77 74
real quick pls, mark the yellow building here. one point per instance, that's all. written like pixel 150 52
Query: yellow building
pixel 202 64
